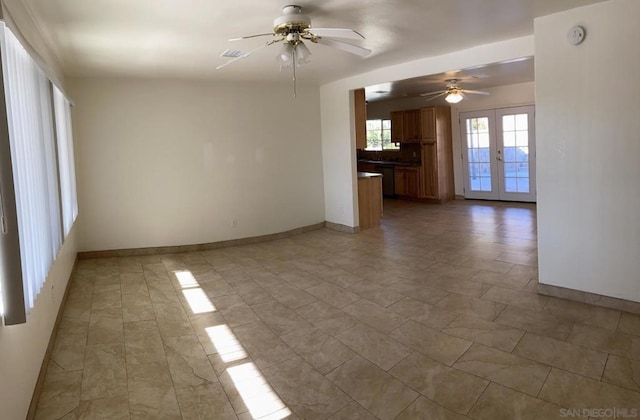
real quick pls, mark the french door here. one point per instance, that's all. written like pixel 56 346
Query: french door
pixel 499 155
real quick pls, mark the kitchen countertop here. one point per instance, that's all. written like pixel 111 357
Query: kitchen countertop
pixel 368 175
pixel 388 163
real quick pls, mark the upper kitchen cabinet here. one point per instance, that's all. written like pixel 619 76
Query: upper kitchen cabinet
pixel 437 155
pixel 412 126
pixel 428 120
pixel 397 126
pixel 360 108
pixel 406 126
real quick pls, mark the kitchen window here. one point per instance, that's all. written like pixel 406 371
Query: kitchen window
pixel 379 135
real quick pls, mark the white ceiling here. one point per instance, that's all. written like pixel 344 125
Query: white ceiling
pixel 184 38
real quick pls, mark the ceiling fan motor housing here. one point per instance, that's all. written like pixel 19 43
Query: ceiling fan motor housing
pixel 291 21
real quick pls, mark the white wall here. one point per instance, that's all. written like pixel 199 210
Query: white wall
pixel 501 97
pixel 588 108
pixel 23 346
pixel 166 162
pixel 338 140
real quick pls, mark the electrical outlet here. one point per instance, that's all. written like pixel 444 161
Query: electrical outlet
pixel 53 293
pixel 234 223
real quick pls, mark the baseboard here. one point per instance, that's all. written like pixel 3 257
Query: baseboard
pixel 37 391
pixel 590 298
pixel 341 228
pixel 130 252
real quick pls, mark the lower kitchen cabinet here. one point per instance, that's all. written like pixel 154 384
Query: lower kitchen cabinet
pixel 407 182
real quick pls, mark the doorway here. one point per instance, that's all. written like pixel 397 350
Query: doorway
pixel 498 149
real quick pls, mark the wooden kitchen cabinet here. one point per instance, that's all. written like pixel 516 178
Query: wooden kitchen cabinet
pixel 369 199
pixel 406 181
pixel 406 126
pixel 436 172
pixel 360 109
pixel 397 125
pixel 411 126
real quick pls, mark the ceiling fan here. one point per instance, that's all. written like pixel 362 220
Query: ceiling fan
pixel 454 93
pixel 291 29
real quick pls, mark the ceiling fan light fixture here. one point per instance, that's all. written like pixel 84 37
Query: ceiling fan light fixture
pixel 454 97
pixel 303 55
pixel 285 55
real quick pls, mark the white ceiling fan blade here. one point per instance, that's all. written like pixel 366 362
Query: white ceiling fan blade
pixel 436 96
pixel 353 49
pixel 476 92
pixel 440 92
pixel 336 33
pixel 250 36
pixel 247 54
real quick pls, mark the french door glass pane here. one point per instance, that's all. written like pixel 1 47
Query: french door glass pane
pixel 479 154
pixel 516 153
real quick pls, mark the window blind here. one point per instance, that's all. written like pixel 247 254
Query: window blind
pixel 64 136
pixel 27 95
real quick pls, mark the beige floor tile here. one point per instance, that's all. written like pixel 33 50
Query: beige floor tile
pixel 105 372
pixel 622 372
pixel 441 347
pixel 137 308
pixel 290 296
pixel 423 408
pixel 279 318
pixel 510 281
pixel 106 326
pixel 491 334
pixel 60 395
pixel 188 363
pixel 204 402
pixel 574 358
pixel 461 287
pixel 143 343
pixel 69 349
pixel 116 408
pixel 234 310
pixel 424 313
pixel 133 284
pixel 526 300
pixel 161 291
pixel 500 403
pixel 577 392
pixel 374 346
pixel 172 320
pixel 629 323
pixel 449 387
pixel 369 385
pixel 375 293
pixel 151 393
pixel 78 308
pixel 252 293
pixel 322 351
pixel 504 368
pixel 419 292
pixel 204 327
pixel 613 342
pixel 264 347
pixel 328 318
pixel 469 306
pixel 353 411
pixel 375 316
pixel 333 295
pixel 305 391
pixel 536 322
pixel 581 312
pixel 106 300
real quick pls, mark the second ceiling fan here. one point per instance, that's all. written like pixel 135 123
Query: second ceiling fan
pixel 454 93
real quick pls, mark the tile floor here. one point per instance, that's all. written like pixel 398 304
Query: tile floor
pixel 432 316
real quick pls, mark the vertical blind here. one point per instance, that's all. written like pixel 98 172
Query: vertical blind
pixel 65 157
pixel 37 115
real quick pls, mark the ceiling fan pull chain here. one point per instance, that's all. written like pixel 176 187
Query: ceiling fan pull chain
pixel 293 55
